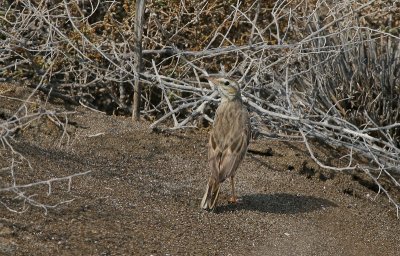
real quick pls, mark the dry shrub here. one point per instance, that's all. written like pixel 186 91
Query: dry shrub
pixel 310 69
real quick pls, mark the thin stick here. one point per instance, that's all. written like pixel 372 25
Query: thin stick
pixel 138 65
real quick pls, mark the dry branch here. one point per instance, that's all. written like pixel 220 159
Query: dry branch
pixel 310 69
pixel 138 66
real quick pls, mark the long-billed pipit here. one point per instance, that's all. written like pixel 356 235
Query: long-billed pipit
pixel 228 140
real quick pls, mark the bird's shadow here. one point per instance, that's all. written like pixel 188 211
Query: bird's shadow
pixel 281 203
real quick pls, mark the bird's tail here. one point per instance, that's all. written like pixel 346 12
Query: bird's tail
pixel 211 195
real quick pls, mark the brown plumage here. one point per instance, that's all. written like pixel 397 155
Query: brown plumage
pixel 228 140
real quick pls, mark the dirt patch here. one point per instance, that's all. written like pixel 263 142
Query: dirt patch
pixel 143 193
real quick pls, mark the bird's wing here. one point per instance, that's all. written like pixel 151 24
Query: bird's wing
pixel 232 157
pixel 214 156
pixel 225 158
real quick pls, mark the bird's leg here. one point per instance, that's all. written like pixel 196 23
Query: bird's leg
pixel 233 199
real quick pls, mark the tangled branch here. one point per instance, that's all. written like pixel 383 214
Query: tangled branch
pixel 326 70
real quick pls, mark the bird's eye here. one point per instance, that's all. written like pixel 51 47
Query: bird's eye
pixel 226 83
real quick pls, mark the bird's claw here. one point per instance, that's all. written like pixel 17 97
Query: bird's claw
pixel 234 200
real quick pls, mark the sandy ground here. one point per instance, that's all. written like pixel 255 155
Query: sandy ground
pixel 143 193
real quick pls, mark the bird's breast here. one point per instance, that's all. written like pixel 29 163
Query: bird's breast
pixel 229 123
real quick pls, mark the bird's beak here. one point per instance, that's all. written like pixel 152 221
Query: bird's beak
pixel 213 81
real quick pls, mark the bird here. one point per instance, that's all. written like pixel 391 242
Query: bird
pixel 228 140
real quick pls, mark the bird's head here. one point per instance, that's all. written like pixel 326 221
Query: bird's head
pixel 229 89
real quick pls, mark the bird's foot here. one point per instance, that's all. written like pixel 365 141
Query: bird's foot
pixel 234 200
